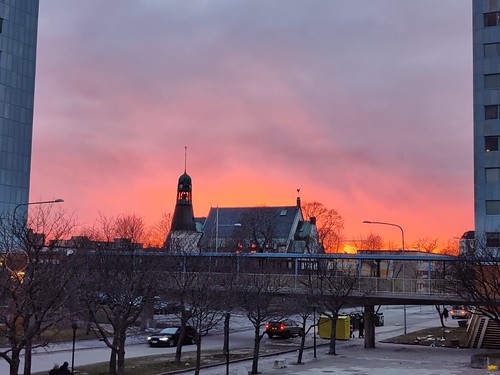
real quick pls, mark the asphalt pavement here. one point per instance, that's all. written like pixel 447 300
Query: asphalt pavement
pixel 351 359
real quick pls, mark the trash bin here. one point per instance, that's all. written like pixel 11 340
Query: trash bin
pixel 379 319
pixel 342 329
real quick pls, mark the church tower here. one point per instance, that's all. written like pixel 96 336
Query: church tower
pixel 183 219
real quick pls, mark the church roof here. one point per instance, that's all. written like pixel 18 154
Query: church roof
pixel 283 219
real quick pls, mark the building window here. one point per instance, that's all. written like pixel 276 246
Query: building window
pixel 491 143
pixel 492 50
pixel 492 207
pixel 492 81
pixel 491 19
pixel 491 112
pixel 492 175
pixel 492 239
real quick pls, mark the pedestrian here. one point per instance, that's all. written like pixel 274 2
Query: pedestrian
pixel 64 370
pixel 361 328
pixel 445 313
pixel 352 329
pixel 55 370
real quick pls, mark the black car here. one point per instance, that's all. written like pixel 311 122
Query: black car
pixel 285 328
pixel 170 335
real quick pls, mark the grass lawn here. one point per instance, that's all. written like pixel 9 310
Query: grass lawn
pixel 445 337
pixel 157 364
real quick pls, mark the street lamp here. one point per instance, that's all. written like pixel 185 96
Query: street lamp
pixel 74 326
pixel 403 250
pixel 59 200
pixel 394 225
pixel 217 226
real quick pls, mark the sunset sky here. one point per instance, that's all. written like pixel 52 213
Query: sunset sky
pixel 365 105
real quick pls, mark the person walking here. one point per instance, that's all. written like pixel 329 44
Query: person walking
pixel 64 370
pixel 445 313
pixel 55 370
pixel 361 328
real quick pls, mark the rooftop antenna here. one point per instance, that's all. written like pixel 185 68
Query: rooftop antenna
pixel 185 158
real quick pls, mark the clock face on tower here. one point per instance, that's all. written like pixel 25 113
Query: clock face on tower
pixel 181 186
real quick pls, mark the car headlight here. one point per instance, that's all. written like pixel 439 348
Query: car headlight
pixel 163 338
pixel 149 338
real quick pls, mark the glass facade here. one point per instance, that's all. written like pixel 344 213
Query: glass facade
pixel 18 39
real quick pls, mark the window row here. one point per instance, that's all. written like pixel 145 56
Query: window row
pixel 492 175
pixel 493 207
pixel 491 112
pixel 492 19
pixel 492 239
pixel 492 81
pixel 491 143
pixel 492 50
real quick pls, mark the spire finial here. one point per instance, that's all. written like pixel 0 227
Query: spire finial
pixel 185 158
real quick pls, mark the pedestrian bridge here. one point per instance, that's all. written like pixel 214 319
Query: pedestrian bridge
pixel 391 279
pixel 381 279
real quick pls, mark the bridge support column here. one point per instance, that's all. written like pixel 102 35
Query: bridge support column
pixel 369 320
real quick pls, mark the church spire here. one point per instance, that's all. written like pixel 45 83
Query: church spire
pixel 183 218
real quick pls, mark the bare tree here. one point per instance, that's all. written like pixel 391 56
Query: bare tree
pixel 440 310
pixel 426 244
pixel 157 234
pixel 450 247
pixel 206 301
pixel 370 242
pixel 120 280
pixel 179 285
pixel 259 293
pixel 332 284
pixel 476 278
pixel 34 280
pixel 330 225
pixel 258 230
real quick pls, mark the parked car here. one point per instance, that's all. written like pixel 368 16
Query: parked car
pixel 283 328
pixel 170 336
pixel 460 312
pixel 161 307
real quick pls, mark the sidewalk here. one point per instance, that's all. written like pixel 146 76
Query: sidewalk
pixel 353 358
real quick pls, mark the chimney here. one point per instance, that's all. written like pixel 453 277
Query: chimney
pixel 313 220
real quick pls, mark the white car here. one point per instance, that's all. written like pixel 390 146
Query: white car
pixel 460 312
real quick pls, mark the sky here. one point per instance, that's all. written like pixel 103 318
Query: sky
pixel 363 105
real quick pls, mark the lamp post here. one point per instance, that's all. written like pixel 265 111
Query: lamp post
pixel 59 200
pixel 217 226
pixel 403 250
pixel 226 340
pixel 74 326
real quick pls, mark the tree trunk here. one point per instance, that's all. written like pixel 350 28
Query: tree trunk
pixel 198 356
pixel 121 353
pixel 333 333
pixel 440 313
pixel 302 343
pixel 112 359
pixel 256 349
pixel 178 351
pixel 27 358
pixel 301 349
pixel 14 364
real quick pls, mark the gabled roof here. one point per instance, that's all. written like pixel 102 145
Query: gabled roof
pixel 225 219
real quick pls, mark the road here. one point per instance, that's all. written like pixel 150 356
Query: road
pixel 94 351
